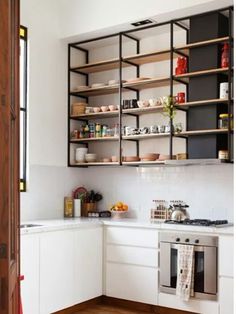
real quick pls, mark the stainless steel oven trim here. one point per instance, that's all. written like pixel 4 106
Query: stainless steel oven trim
pixel 197 295
pixel 210 265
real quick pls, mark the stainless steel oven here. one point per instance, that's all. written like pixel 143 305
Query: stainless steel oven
pixel 205 256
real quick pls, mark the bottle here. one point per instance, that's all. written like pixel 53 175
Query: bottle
pixel 86 131
pixel 98 130
pixel 225 56
pixel 68 207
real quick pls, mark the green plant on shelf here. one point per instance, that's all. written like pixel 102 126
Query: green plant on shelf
pixel 169 108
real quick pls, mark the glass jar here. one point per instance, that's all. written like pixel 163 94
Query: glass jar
pixel 223 122
pixel 223 154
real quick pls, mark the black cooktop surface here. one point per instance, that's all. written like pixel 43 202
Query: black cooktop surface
pixel 200 222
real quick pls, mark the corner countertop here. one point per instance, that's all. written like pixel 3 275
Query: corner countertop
pixel 75 223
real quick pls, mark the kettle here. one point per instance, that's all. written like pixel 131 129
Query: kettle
pixel 179 212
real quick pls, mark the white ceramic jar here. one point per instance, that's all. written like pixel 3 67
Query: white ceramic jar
pixel 80 154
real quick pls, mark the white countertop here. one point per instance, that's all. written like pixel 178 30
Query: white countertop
pixel 72 223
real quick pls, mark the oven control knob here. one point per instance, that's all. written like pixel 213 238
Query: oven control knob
pixel 196 241
pixel 177 239
pixel 186 240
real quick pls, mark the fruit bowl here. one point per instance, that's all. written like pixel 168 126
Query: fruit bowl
pixel 119 209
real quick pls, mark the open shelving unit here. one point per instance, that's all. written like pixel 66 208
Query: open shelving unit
pixel 135 61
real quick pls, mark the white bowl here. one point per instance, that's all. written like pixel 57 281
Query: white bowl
pixel 105 108
pixel 96 85
pixel 90 157
pixel 143 103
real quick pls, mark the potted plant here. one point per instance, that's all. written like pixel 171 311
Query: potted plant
pixel 169 109
pixel 89 202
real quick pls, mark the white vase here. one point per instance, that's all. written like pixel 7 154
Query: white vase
pixel 77 207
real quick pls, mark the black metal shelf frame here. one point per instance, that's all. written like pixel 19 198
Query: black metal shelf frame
pixel 173 51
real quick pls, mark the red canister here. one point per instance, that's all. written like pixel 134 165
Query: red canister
pixel 225 56
pixel 181 98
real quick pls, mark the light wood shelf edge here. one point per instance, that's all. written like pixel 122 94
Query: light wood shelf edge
pixel 202 43
pixel 94 139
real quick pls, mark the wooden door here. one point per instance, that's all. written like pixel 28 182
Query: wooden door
pixel 9 156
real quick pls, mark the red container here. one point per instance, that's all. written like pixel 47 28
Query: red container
pixel 181 66
pixel 180 98
pixel 225 56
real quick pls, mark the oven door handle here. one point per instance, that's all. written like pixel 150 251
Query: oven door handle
pixel 197 248
pixel 165 263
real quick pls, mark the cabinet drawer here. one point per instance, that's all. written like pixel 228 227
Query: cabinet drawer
pixel 226 296
pixel 135 283
pixel 132 255
pixel 132 236
pixel 226 256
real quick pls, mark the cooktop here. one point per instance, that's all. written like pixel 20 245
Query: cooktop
pixel 201 222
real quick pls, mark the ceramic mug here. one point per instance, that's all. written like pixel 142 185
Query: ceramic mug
pixel 153 129
pixel 155 102
pixel 224 90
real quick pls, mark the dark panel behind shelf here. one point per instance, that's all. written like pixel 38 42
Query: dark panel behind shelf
pixel 206 146
pixel 209 26
pixel 206 87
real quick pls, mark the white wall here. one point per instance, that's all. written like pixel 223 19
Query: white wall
pixel 80 17
pixel 48 177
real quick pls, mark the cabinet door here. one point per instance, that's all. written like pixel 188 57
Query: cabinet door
pixel 88 263
pixel 56 271
pixel 226 295
pixel 30 270
pixel 226 256
pixel 135 283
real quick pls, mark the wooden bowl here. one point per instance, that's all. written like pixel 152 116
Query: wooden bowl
pixel 153 156
pixel 131 158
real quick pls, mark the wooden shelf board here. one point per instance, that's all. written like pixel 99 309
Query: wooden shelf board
pixel 99 115
pixel 143 163
pixel 201 132
pixel 97 163
pixel 202 43
pixel 185 77
pixel 104 90
pixel 145 136
pixel 154 56
pixel 97 66
pixel 149 83
pixel 94 139
pixel 186 105
pixel 139 111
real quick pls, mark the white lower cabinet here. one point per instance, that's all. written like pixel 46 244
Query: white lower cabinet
pixel 88 264
pixel 56 271
pixel 132 264
pixel 130 282
pixel 30 270
pixel 61 269
pixel 226 295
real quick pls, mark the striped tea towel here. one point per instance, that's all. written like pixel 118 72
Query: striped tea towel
pixel 185 272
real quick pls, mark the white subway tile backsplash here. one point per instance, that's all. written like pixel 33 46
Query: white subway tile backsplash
pixel 207 189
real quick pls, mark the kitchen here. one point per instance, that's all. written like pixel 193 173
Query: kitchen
pixel 128 261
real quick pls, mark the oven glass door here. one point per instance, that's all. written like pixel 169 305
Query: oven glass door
pixel 198 268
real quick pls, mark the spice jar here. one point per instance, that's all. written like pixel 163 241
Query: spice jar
pixel 223 154
pixel 223 122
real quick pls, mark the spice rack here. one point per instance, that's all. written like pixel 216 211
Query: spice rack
pixel 195 138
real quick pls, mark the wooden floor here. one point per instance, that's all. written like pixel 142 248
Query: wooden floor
pixel 106 309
